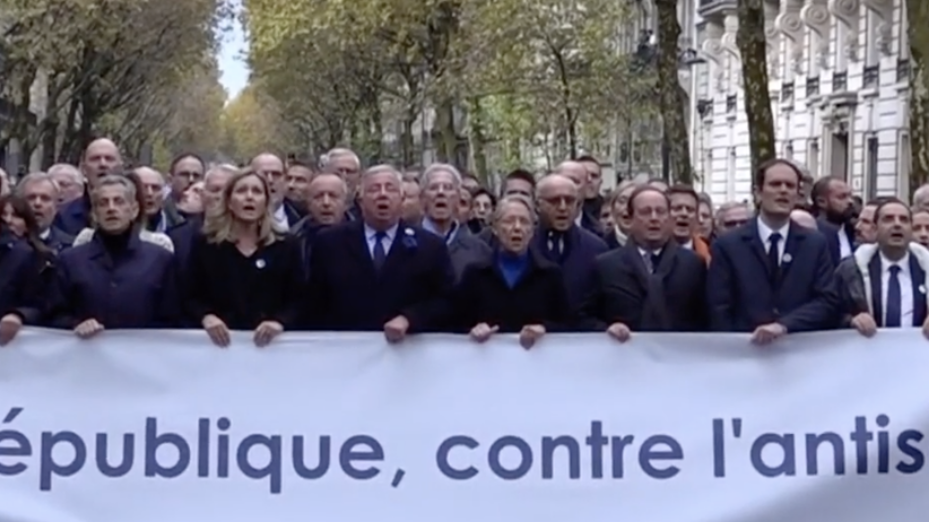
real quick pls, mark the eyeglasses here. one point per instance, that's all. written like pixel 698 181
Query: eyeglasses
pixel 735 223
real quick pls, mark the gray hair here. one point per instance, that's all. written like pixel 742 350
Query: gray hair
pixel 921 194
pixel 225 168
pixel 114 180
pixel 442 167
pixel 339 152
pixel 67 169
pixel 726 207
pixel 513 198
pixel 381 169
pixel 36 177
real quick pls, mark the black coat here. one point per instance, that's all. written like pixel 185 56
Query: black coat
pixel 581 250
pixel 347 293
pixel 183 237
pixel 58 240
pixel 136 289
pixel 245 291
pixel 624 291
pixel 74 216
pixel 304 233
pixel 483 296
pixel 22 290
pixel 744 292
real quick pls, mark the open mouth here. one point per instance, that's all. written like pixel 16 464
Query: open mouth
pixel 897 235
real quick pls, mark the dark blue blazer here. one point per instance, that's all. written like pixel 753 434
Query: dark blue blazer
pixel 831 233
pixel 918 277
pixel 578 263
pixel 22 291
pixel 74 216
pixel 743 292
pixel 183 237
pixel 347 293
pixel 135 290
pixel 58 240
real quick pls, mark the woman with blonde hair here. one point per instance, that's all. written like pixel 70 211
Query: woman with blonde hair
pixel 242 274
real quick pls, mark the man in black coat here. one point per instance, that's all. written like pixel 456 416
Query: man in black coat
pixel 562 241
pixel 378 273
pixel 327 198
pixel 835 212
pixel 771 276
pixel 651 284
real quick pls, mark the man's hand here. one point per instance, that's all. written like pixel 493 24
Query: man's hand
pixel 768 333
pixel 619 331
pixel 9 327
pixel 866 326
pixel 483 331
pixel 530 334
pixel 395 329
pixel 88 329
pixel 266 332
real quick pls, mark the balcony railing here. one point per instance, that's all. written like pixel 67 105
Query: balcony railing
pixel 732 103
pixel 903 70
pixel 709 7
pixel 840 81
pixel 812 86
pixel 871 76
pixel 787 92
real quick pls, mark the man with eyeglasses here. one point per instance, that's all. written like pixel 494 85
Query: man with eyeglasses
pixel 560 239
pixel 731 216
pixel 347 165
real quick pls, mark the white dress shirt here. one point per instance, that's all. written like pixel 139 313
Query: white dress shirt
pixel 764 232
pixel 371 238
pixel 280 218
pixel 689 245
pixel 845 246
pixel 906 288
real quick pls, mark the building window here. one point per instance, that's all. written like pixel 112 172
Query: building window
pixel 812 157
pixel 732 103
pixel 871 149
pixel 787 92
pixel 839 81
pixel 812 86
pixel 904 164
pixel 903 70
pixel 871 77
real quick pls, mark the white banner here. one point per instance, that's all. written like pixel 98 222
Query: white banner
pixel 163 427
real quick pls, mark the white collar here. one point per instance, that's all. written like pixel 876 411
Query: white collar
pixel 764 231
pixel 391 232
pixel 903 263
pixel 44 235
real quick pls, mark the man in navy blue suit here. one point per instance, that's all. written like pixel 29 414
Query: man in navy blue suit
pixel 378 273
pixel 770 276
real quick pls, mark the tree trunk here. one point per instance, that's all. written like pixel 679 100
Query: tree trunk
pixel 671 99
pixel 448 135
pixel 477 139
pixel 750 39
pixel 917 18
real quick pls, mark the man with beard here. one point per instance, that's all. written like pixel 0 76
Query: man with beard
pixel 884 285
pixel 836 215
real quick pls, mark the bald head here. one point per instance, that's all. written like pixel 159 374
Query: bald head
pixel 575 171
pixel 272 168
pixel 153 185
pixel 803 218
pixel 556 182
pixel 100 158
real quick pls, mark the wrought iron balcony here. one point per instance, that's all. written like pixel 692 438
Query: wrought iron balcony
pixel 732 103
pixel 787 92
pixel 705 107
pixel 871 77
pixel 708 8
pixel 812 86
pixel 839 81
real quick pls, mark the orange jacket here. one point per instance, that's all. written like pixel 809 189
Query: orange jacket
pixel 702 249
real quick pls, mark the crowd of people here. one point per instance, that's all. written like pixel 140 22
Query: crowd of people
pixel 279 245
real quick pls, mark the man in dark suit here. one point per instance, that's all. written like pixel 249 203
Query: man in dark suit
pixel 378 273
pixel 835 213
pixel 652 284
pixel 159 217
pixel 326 197
pixel 884 285
pixel 101 157
pixel 578 173
pixel 562 241
pixel 441 185
pixel 41 191
pixel 770 276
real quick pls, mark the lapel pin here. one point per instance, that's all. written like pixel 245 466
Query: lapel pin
pixel 922 289
pixel 787 258
pixel 409 232
pixel 260 263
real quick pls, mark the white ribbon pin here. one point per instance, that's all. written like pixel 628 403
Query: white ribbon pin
pixel 787 258
pixel 260 263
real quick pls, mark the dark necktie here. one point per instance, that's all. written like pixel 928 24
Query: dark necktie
pixel 380 254
pixel 556 245
pixel 773 258
pixel 894 299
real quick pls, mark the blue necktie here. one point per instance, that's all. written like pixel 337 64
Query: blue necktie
pixel 380 254
pixel 894 299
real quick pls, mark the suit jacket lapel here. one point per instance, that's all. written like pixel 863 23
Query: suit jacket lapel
pixel 751 235
pixel 877 299
pixel 397 248
pixel 792 249
pixel 358 245
pixel 918 275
